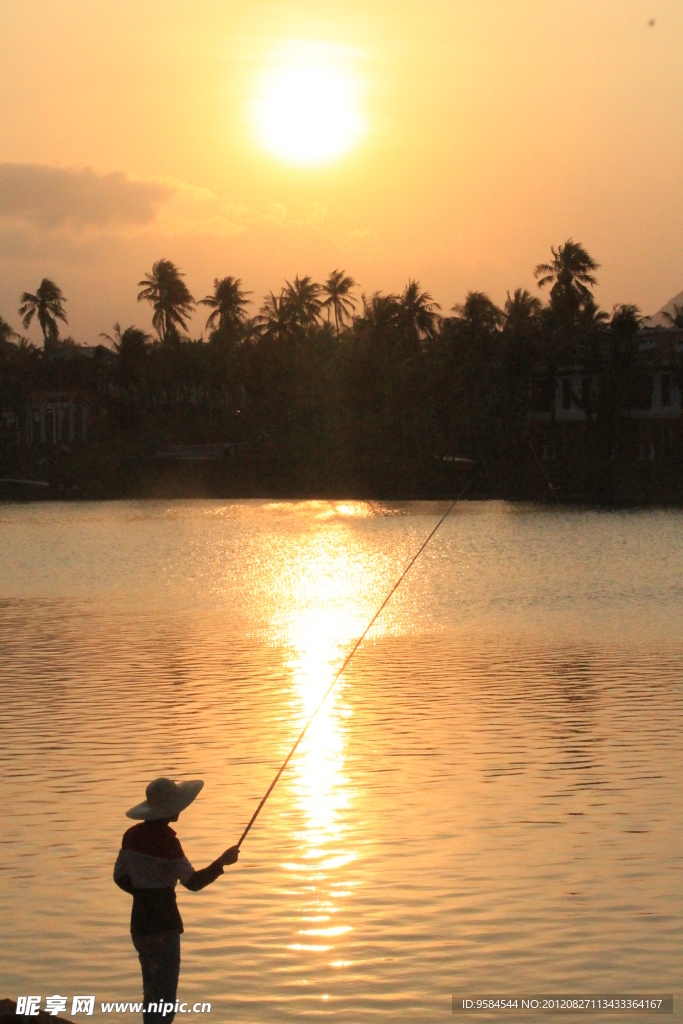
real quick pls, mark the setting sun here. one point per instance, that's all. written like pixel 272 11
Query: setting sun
pixel 307 110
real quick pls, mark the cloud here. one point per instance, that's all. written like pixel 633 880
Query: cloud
pixel 74 216
pixel 198 211
pixel 360 239
pixel 58 198
pixel 77 201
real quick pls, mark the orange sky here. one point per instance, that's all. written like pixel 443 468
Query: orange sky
pixel 495 128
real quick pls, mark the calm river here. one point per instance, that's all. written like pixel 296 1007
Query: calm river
pixel 489 804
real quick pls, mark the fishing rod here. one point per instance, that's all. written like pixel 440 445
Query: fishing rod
pixel 350 655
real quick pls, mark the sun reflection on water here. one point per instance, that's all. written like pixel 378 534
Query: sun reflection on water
pixel 321 629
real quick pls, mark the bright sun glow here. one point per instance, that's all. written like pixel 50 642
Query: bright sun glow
pixel 307 111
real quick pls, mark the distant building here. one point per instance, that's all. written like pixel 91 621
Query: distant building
pixel 564 409
pixel 62 415
pixel 55 417
pixel 72 351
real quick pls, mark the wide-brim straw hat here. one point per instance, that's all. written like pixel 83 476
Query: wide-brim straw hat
pixel 165 799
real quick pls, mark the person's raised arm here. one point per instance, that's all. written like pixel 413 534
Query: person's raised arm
pixel 205 876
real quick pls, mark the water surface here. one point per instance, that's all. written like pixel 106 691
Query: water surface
pixel 489 802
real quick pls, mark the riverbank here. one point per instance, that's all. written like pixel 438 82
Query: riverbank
pixel 294 469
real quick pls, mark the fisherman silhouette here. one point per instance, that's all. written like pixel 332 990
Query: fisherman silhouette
pixel 150 862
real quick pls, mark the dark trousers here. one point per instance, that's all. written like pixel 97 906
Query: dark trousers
pixel 160 961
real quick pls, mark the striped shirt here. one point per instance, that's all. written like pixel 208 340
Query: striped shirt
pixel 150 863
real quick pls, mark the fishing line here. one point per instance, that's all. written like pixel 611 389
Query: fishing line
pixel 351 653
pixel 545 475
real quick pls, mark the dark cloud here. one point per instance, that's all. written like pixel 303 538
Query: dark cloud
pixel 53 198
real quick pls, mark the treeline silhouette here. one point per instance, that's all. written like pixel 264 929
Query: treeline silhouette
pixel 330 392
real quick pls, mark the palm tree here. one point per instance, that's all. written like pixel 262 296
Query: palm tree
pixel 275 319
pixel 675 319
pixel 620 373
pixel 419 313
pixel 380 311
pixel 47 305
pixel 130 344
pixel 592 318
pixel 170 298
pixel 338 288
pixel 521 331
pixel 6 333
pixel 228 304
pixel 303 299
pixel 626 321
pixel 571 274
pixel 24 345
pixel 479 313
pixel 521 310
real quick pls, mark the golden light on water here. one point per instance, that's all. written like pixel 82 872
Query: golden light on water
pixel 319 636
pixel 322 798
pixel 474 776
pixel 307 110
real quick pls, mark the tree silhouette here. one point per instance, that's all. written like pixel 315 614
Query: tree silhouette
pixel 322 399
pixel 276 317
pixel 337 288
pixel 48 305
pixel 304 302
pixel 521 330
pixel 131 343
pixel 7 333
pixel 479 313
pixel 570 273
pixel 228 306
pixel 474 351
pixel 380 311
pixel 618 374
pixel 170 298
pixel 24 345
pixel 626 320
pixel 521 309
pixel 591 317
pixel 521 337
pixel 418 313
pixel 132 347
